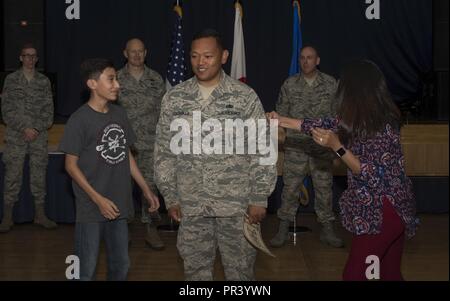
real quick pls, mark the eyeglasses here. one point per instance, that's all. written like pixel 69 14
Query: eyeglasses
pixel 29 56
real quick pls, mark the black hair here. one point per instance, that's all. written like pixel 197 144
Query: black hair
pixel 93 68
pixel 210 33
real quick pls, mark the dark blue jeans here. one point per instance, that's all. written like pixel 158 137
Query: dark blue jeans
pixel 87 245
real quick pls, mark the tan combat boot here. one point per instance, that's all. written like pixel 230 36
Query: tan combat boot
pixel 329 237
pixel 41 219
pixel 280 238
pixel 7 221
pixel 152 238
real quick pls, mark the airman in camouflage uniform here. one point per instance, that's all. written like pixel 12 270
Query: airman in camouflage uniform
pixel 307 95
pixel 210 193
pixel 27 110
pixel 141 92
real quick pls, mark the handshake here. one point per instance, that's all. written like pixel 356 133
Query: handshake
pixel 285 122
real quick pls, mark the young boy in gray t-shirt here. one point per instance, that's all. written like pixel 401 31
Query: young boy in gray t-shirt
pixel 96 142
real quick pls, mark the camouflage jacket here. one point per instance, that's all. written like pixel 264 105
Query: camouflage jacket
pixel 26 104
pixel 142 101
pixel 211 185
pixel 299 100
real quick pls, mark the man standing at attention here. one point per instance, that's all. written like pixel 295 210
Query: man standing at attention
pixel 141 92
pixel 27 109
pixel 308 94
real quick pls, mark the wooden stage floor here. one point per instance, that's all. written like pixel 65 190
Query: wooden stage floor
pixel 31 253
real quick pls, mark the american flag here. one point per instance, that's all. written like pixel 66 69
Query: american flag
pixel 177 67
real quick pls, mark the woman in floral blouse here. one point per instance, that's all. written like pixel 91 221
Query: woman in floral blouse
pixel 378 206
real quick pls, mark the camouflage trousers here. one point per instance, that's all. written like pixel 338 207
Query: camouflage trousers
pixel 14 158
pixel 296 166
pixel 198 240
pixel 144 161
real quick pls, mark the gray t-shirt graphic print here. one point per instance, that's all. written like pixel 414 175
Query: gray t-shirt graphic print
pixel 101 141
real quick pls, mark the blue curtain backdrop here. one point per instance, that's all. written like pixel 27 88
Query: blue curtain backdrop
pixel 401 42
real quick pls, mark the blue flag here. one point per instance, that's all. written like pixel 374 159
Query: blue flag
pixel 297 41
pixel 176 71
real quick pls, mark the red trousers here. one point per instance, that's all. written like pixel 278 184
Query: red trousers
pixel 387 246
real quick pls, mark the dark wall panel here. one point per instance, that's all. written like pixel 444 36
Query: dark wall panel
pixel 401 42
pixel 440 34
pixel 442 97
pixel 2 39
pixel 16 34
pixel 441 58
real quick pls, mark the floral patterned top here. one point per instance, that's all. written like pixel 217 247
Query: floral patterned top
pixel 382 177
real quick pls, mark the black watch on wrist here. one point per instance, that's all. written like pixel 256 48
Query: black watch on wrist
pixel 340 152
